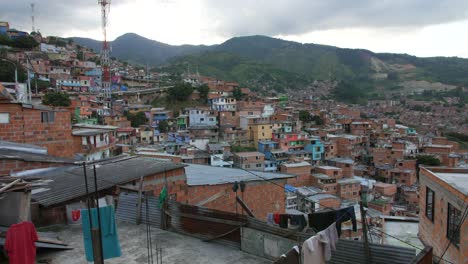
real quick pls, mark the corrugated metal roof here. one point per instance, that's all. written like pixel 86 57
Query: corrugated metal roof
pixel 69 183
pixel 352 252
pixel 207 175
pixel 26 156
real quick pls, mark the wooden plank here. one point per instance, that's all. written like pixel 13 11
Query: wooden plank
pixel 9 185
pixel 246 208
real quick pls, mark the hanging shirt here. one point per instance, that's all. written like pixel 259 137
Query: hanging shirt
pixel 344 215
pixel 162 196
pixel 110 240
pixel 321 220
pixel 20 245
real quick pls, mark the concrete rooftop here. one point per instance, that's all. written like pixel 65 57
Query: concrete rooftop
pixel 176 248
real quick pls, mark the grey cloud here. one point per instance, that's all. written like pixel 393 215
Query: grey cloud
pixel 289 17
pixel 52 17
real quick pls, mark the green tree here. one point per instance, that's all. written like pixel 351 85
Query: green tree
pixel 7 71
pixel 26 42
pixel 318 120
pixel 56 99
pixel 237 93
pixel 137 119
pixel 180 92
pixel 305 116
pixel 41 84
pixel 428 160
pixel 163 126
pixel 203 90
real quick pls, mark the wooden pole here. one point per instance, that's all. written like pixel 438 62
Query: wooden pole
pixel 364 230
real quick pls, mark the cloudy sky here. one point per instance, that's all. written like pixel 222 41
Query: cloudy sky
pixel 418 27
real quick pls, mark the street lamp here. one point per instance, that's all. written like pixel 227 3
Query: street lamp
pixel 16 71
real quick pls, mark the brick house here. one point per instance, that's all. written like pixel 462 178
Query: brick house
pixel 444 199
pixel 94 142
pixel 212 187
pixel 249 160
pixel 37 125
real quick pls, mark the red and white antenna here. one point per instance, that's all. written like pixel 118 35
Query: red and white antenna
pixel 105 59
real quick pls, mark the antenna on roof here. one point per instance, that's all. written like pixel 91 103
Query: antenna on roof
pixel 32 17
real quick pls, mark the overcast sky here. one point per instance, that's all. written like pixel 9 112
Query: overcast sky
pixel 418 27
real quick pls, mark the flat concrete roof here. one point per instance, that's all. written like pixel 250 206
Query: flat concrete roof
pixel 176 248
pixel 459 181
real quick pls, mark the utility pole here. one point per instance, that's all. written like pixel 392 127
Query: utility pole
pixel 364 231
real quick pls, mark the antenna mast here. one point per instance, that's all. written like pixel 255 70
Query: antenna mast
pixel 105 60
pixel 32 17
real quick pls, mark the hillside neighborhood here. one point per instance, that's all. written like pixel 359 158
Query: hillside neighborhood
pixel 236 167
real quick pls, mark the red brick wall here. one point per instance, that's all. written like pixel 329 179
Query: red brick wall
pixel 26 127
pixel 384 209
pixel 303 175
pixel 348 191
pixel 260 197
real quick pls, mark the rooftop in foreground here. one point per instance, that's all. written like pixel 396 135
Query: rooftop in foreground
pixel 176 248
pixel 455 177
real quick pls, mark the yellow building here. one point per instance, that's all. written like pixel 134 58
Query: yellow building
pixel 259 132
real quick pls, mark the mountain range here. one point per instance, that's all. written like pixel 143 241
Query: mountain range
pixel 260 61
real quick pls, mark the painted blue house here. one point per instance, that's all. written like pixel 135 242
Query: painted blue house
pixel 266 146
pixel 178 137
pixel 315 147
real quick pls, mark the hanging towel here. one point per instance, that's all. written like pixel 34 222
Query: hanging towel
pixel 162 196
pixel 313 250
pixel 110 240
pixel 276 218
pixel 284 220
pixel 270 219
pixel 331 235
pixel 20 245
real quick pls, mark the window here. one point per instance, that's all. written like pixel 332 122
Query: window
pixel 453 221
pixel 258 165
pixel 47 117
pixel 247 166
pixel 4 118
pixel 233 113
pixel 202 119
pixel 430 198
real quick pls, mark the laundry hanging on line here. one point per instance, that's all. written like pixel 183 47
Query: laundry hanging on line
pixel 20 243
pixel 318 249
pixel 110 239
pixel 322 219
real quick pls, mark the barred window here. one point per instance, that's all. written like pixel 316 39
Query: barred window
pixel 453 221
pixel 430 198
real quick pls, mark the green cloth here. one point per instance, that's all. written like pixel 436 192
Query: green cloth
pixel 162 196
